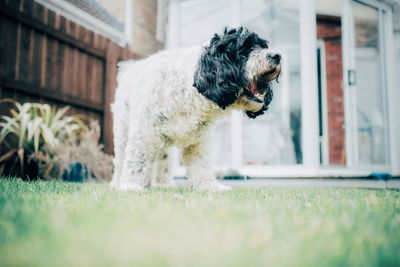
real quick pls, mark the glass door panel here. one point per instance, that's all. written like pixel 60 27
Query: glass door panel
pixel 370 92
pixel 275 138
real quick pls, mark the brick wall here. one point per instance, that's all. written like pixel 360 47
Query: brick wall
pixel 329 30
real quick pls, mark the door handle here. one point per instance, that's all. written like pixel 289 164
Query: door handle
pixel 352 77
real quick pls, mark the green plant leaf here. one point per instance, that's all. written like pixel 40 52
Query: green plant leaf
pixel 60 113
pixel 7 127
pixel 48 136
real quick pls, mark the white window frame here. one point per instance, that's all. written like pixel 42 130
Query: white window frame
pixel 324 140
pixel 90 22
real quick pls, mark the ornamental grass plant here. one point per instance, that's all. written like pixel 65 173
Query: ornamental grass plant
pixel 38 140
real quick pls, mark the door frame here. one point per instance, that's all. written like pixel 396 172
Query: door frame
pixel 324 139
pixel 350 96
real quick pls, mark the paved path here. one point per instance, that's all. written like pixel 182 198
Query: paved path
pixel 309 183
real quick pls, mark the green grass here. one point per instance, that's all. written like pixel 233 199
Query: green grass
pixel 65 224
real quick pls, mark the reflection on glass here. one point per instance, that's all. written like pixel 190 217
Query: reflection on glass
pixel 371 118
pixel 221 143
pixel 200 19
pixel 267 142
pixel 275 138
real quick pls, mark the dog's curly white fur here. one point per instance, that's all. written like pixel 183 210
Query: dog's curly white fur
pixel 174 97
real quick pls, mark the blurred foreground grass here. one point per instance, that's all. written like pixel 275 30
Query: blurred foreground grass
pixel 64 224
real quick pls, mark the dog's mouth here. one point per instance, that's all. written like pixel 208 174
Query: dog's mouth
pixel 259 87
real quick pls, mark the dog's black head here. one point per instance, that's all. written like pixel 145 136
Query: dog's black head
pixel 237 67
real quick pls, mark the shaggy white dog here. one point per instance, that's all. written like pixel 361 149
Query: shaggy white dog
pixel 174 97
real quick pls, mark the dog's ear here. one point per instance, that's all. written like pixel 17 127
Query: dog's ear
pixel 215 79
pixel 220 71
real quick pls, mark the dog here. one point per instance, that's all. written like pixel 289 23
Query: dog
pixel 173 98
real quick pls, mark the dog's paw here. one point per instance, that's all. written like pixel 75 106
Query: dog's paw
pixel 123 187
pixel 211 187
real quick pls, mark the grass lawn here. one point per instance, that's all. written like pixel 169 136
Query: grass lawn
pixel 65 224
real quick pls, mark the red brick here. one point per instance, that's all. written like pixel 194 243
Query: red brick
pixel 330 32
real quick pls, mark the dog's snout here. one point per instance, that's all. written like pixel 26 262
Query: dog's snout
pixel 276 57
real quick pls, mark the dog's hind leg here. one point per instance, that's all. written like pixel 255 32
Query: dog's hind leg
pixel 120 129
pixel 161 171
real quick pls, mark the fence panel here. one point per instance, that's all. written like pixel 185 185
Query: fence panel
pixel 47 58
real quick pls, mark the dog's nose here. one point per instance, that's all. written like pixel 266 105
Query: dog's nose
pixel 275 57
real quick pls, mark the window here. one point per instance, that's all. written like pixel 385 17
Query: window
pixel 275 138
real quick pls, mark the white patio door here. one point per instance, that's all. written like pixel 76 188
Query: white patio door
pixel 365 79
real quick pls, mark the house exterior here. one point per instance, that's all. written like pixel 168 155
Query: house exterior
pixel 335 109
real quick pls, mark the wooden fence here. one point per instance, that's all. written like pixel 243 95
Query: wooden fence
pixel 47 58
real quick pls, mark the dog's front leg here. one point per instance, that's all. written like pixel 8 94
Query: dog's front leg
pixel 137 166
pixel 198 169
